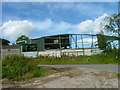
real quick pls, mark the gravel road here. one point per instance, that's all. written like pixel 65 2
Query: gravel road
pixel 71 78
pixel 83 78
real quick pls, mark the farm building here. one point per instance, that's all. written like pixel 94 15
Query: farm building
pixel 57 45
pixel 63 44
pixel 47 43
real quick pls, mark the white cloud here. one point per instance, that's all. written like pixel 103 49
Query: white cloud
pixel 43 25
pixel 88 26
pixel 14 29
pixel 92 26
pixel 83 8
pixel 52 27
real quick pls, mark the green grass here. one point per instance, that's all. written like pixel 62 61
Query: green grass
pixel 109 58
pixel 16 67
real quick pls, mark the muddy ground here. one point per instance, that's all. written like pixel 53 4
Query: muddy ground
pixel 69 78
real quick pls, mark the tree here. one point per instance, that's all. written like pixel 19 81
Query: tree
pixel 21 38
pixel 5 42
pixel 13 43
pixel 102 42
pixel 113 26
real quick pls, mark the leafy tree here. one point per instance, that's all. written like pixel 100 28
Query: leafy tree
pixel 113 25
pixel 13 43
pixel 5 42
pixel 22 37
pixel 102 42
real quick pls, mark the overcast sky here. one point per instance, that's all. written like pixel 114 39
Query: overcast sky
pixel 37 19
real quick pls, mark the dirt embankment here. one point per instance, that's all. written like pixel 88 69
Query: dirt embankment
pixel 69 78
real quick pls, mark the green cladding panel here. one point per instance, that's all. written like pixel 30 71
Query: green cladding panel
pixel 40 43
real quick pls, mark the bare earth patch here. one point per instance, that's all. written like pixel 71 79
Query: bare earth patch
pixel 69 78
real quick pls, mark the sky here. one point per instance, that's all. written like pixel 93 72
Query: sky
pixel 37 19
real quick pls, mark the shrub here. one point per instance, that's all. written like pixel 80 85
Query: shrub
pixel 118 75
pixel 14 66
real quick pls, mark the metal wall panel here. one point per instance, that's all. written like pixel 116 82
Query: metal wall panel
pixel 41 44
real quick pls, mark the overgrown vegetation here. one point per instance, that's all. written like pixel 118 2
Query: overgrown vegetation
pixel 103 58
pixel 118 75
pixel 0 69
pixel 16 67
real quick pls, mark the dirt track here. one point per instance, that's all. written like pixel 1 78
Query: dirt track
pixel 71 78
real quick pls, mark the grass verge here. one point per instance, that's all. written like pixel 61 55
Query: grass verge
pixel 109 58
pixel 16 68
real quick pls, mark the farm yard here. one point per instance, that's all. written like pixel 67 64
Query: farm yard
pixel 69 78
pixel 21 71
pixel 35 63
pixel 60 44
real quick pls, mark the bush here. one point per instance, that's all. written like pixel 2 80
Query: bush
pixel 118 75
pixel 14 67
